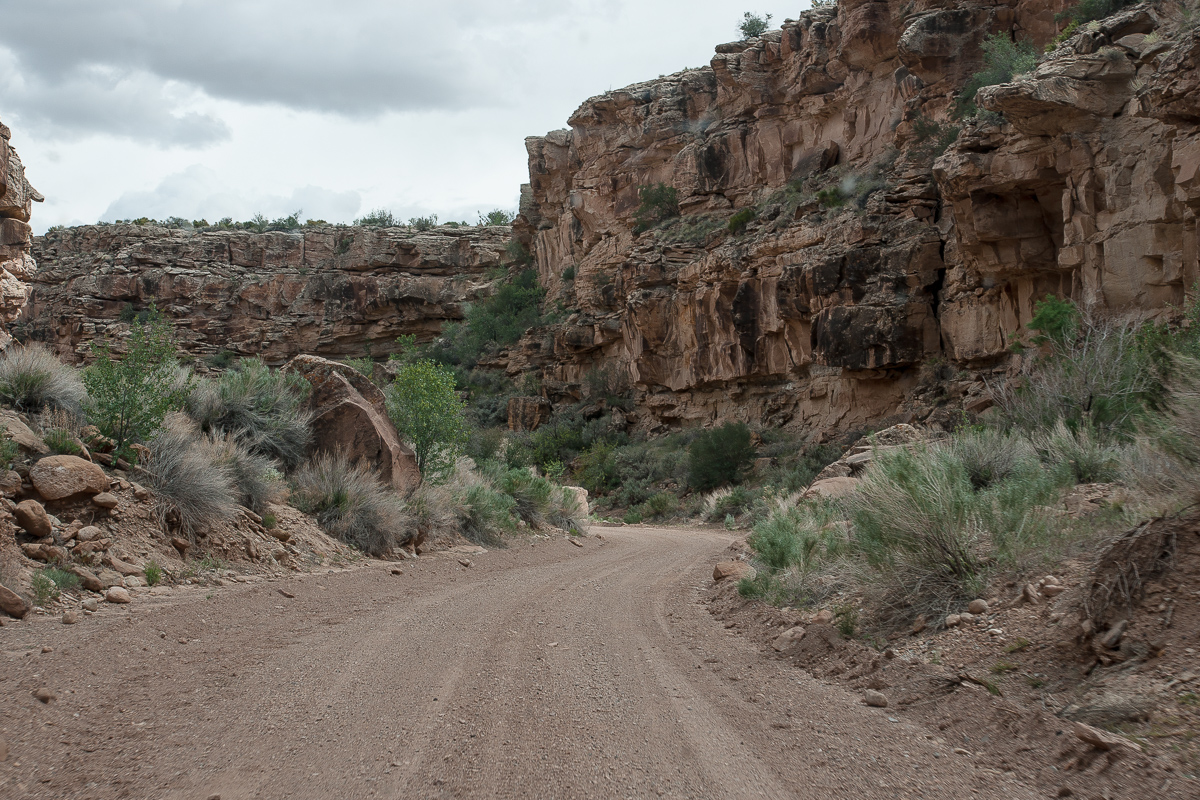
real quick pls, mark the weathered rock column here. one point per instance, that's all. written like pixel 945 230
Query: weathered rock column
pixel 16 264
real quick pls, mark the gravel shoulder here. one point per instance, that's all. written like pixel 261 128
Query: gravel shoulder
pixel 542 670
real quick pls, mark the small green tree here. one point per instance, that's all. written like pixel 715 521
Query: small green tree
pixel 496 216
pixel 719 456
pixel 1003 59
pixel 429 414
pixel 753 25
pixel 129 397
pixel 658 202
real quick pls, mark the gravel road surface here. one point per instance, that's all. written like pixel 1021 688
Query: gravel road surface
pixel 543 670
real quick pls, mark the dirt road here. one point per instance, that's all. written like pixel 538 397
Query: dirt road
pixel 542 671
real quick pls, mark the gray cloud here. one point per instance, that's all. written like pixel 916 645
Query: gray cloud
pixel 356 57
pixel 100 99
pixel 199 192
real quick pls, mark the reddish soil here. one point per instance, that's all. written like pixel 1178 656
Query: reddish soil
pixel 1008 687
pixel 542 670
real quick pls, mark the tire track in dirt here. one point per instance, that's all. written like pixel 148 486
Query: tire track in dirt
pixel 549 671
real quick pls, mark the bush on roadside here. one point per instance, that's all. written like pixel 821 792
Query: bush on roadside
pixel 130 396
pixel 350 504
pixel 931 537
pixel 719 456
pixel 429 414
pixel 191 489
pixel 256 481
pixel 32 379
pixel 260 407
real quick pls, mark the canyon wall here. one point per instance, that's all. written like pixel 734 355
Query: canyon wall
pixel 878 274
pixel 16 205
pixel 338 292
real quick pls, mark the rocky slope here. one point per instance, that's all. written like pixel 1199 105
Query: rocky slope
pixel 16 204
pixel 329 291
pixel 873 260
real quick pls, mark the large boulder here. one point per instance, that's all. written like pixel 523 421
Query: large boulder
pixel 56 477
pixel 19 432
pixel 350 416
pixel 12 603
pixel 32 517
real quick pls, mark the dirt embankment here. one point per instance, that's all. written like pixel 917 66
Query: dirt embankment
pixel 547 669
pixel 1088 688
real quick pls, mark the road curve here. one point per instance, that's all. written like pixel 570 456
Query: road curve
pixel 542 671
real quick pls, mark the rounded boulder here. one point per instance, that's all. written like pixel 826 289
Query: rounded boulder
pixel 56 477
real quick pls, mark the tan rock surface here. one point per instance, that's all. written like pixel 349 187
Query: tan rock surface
pixel 331 291
pixel 350 416
pixel 57 477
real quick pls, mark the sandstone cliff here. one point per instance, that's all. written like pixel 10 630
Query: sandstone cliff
pixel 16 204
pixel 331 291
pixel 868 265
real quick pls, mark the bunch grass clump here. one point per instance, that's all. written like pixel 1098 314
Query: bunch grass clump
pixel 256 481
pixel 33 379
pixel 190 486
pixel 261 407
pixel 351 505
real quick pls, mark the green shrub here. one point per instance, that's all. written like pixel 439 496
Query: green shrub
pixel 1003 59
pixel 423 223
pixel 633 517
pixel 61 441
pixel 832 197
pixel 222 359
pixel 129 397
pixel 190 488
pixel 260 407
pixel 536 500
pixel 497 217
pixel 428 413
pixel 740 220
pixel 719 456
pixel 931 139
pixel 931 536
pixel 493 323
pixel 1080 455
pixel 350 504
pixel 32 379
pixel 518 253
pixel 484 514
pixel 1055 321
pixel 49 582
pixel 753 25
pixel 658 203
pixel 256 481
pixel 734 500
pixel 269 521
pixel 659 505
pixel 153 572
pixel 568 274
pixel 1091 10
pixel 378 218
pixel 9 450
pixel 1100 377
pixel 990 456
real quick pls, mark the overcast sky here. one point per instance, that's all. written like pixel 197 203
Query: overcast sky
pixel 214 108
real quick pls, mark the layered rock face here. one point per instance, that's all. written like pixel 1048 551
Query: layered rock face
pixel 16 205
pixel 870 262
pixel 330 291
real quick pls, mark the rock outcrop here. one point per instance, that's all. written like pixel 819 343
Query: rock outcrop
pixel 350 417
pixel 341 292
pixel 864 261
pixel 16 205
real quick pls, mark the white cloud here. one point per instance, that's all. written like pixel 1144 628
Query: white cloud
pixel 419 107
pixel 199 192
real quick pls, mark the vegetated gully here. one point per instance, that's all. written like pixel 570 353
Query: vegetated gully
pixel 543 670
